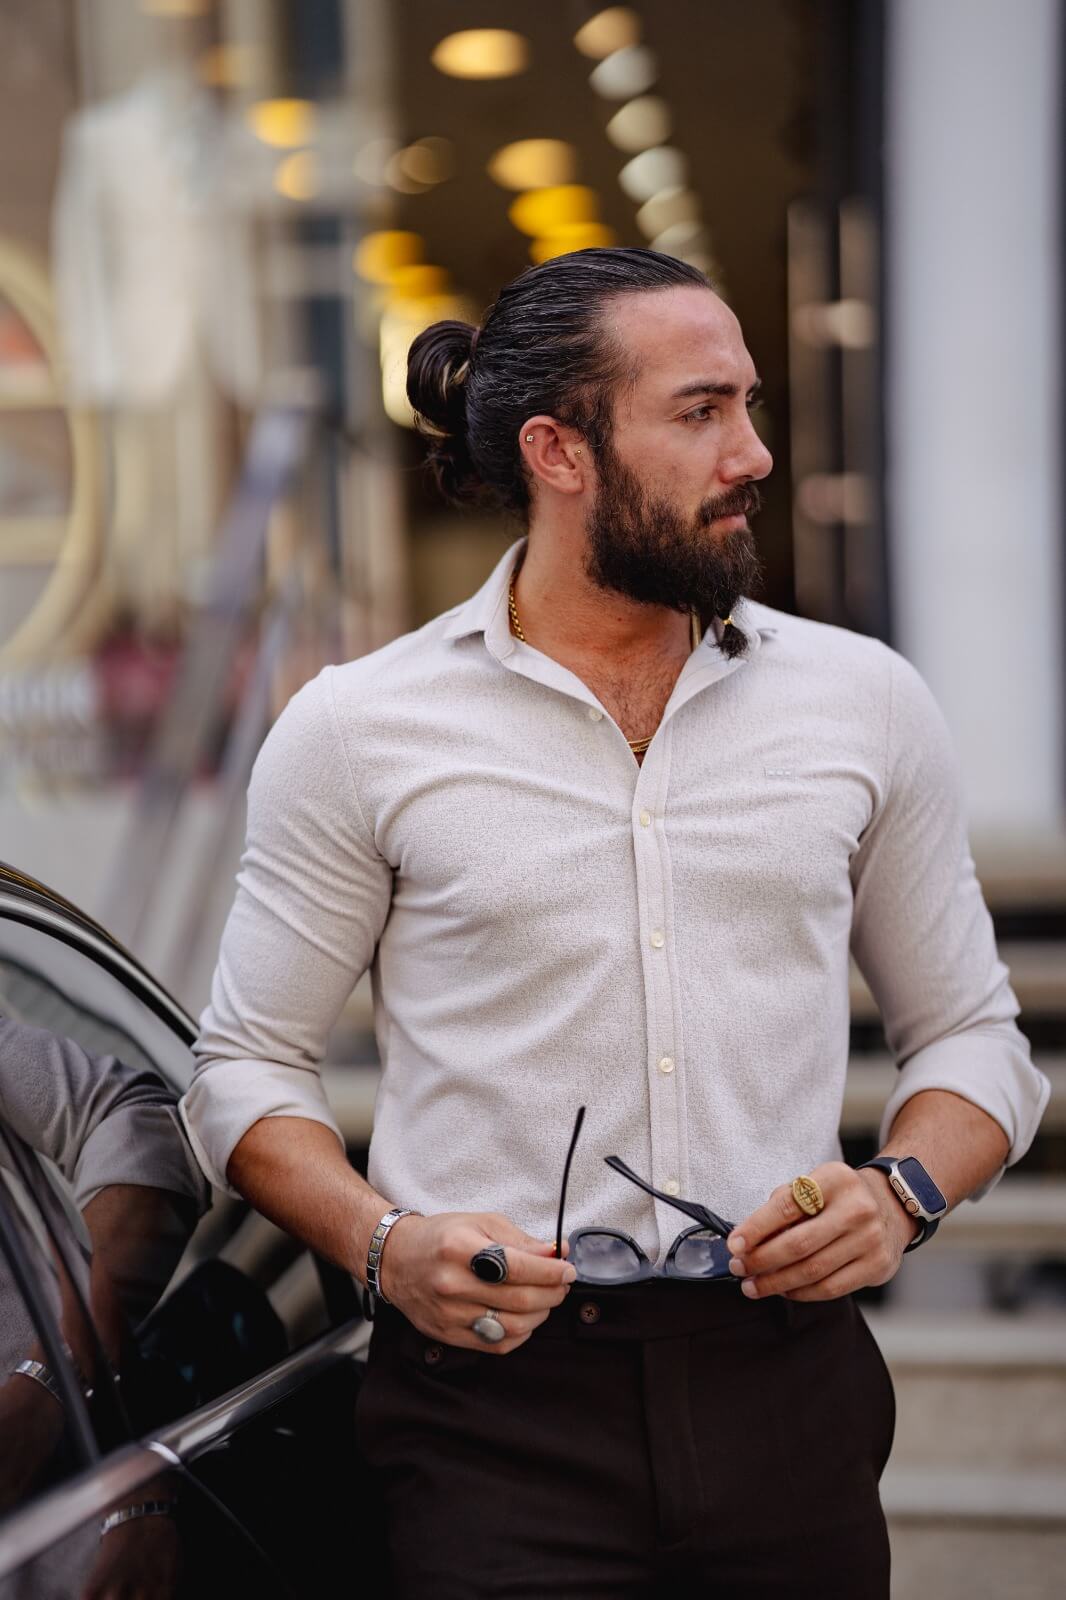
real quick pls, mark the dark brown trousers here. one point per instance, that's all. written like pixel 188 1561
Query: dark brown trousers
pixel 664 1439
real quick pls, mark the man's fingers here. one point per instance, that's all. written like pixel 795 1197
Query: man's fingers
pixel 499 1230
pixel 791 1244
pixel 805 1274
pixel 781 1210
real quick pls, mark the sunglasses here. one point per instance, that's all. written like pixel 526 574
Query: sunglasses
pixel 605 1255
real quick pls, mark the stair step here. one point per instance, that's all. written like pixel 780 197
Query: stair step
pixel 946 1558
pixel 928 1494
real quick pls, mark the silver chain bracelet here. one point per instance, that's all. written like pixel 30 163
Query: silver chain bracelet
pixel 377 1245
pixel 147 1508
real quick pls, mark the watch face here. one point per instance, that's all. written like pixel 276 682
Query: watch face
pixel 925 1190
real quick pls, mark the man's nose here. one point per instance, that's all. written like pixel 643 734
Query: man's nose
pixel 750 460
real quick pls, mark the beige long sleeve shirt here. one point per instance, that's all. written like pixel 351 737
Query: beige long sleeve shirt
pixel 548 924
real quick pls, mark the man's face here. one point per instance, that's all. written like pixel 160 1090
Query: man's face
pixel 677 479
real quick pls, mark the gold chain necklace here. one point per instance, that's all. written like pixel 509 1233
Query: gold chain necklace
pixel 638 746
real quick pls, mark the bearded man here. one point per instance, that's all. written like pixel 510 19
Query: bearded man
pixel 604 835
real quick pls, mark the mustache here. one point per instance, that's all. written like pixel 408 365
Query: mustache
pixel 744 501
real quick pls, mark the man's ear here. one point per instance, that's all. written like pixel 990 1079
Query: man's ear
pixel 556 455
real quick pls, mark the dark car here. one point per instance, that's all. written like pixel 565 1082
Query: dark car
pixel 175 1349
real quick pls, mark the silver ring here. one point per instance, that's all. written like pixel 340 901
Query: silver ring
pixel 489 1327
pixel 490 1264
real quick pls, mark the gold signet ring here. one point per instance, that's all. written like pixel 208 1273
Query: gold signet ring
pixel 808 1195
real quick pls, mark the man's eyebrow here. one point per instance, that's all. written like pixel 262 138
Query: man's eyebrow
pixel 723 391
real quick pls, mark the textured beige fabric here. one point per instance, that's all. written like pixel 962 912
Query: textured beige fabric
pixel 550 925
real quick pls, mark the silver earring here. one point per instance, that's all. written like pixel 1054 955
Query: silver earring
pixel 529 438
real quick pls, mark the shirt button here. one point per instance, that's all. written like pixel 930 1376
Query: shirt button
pixel 671 1186
pixel 657 939
pixel 594 715
pixel 666 1064
pixel 645 819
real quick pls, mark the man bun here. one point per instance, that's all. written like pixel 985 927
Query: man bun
pixel 438 367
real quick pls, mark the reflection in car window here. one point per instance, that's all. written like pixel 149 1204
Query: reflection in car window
pixel 28 996
pixel 185 1546
pixel 40 1442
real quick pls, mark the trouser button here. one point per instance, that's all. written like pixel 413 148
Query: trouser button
pixel 589 1312
pixel 432 1354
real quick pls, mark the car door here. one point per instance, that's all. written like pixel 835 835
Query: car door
pixel 214 1340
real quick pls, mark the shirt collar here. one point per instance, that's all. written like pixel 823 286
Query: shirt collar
pixel 486 612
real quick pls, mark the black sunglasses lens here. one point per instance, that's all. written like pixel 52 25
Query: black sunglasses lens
pixel 603 1258
pixel 700 1255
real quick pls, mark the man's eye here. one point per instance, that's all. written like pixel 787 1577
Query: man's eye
pixel 755 405
pixel 700 414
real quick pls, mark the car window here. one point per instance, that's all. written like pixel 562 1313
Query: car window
pixel 188 1545
pixel 192 1293
pixel 46 1433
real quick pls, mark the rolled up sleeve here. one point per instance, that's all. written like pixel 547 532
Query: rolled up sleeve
pixel 923 937
pixel 312 897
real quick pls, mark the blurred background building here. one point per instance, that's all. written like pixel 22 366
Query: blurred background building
pixel 221 224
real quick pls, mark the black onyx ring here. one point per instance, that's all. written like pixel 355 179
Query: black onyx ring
pixel 490 1264
pixel 489 1327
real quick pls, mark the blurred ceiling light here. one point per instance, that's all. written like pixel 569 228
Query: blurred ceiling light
pixel 297 177
pixel 227 66
pixel 401 323
pixel 482 53
pixel 849 323
pixel 379 255
pixel 625 73
pixel 372 160
pixel 665 209
pixel 579 236
pixel 639 124
pixel 608 31
pixel 653 171
pixel 419 282
pixel 175 8
pixel 681 236
pixel 428 161
pixel 282 123
pixel 533 164
pixel 541 212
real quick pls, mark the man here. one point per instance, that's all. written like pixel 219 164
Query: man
pixel 603 834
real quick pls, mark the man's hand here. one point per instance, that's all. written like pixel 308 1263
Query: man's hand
pixel 858 1239
pixel 425 1272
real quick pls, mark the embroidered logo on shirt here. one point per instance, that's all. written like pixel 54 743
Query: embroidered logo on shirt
pixel 780 772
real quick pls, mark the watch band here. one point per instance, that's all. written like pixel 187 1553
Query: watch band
pixel 927 1222
pixel 377 1245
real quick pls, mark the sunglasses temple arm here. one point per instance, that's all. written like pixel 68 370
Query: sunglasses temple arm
pixel 690 1208
pixel 566 1179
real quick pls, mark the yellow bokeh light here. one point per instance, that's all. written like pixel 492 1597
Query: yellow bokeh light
pixel 541 212
pixel 533 164
pixel 227 66
pixel 608 31
pixel 284 124
pixel 482 53
pixel 428 161
pixel 297 177
pixel 419 282
pixel 579 236
pixel 378 256
pixel 401 323
pixel 175 8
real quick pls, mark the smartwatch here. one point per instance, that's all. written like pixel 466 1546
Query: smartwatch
pixel 915 1191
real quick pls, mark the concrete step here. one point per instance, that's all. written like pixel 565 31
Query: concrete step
pixel 944 1558
pixel 981 1407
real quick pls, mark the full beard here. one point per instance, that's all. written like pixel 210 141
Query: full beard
pixel 638 545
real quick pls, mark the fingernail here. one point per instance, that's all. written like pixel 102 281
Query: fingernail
pixel 570 1274
pixel 748 1288
pixel 736 1243
pixel 737 1267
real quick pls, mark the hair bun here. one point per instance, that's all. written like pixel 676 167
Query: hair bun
pixel 437 365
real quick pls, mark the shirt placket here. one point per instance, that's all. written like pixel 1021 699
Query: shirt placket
pixel 665 1067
